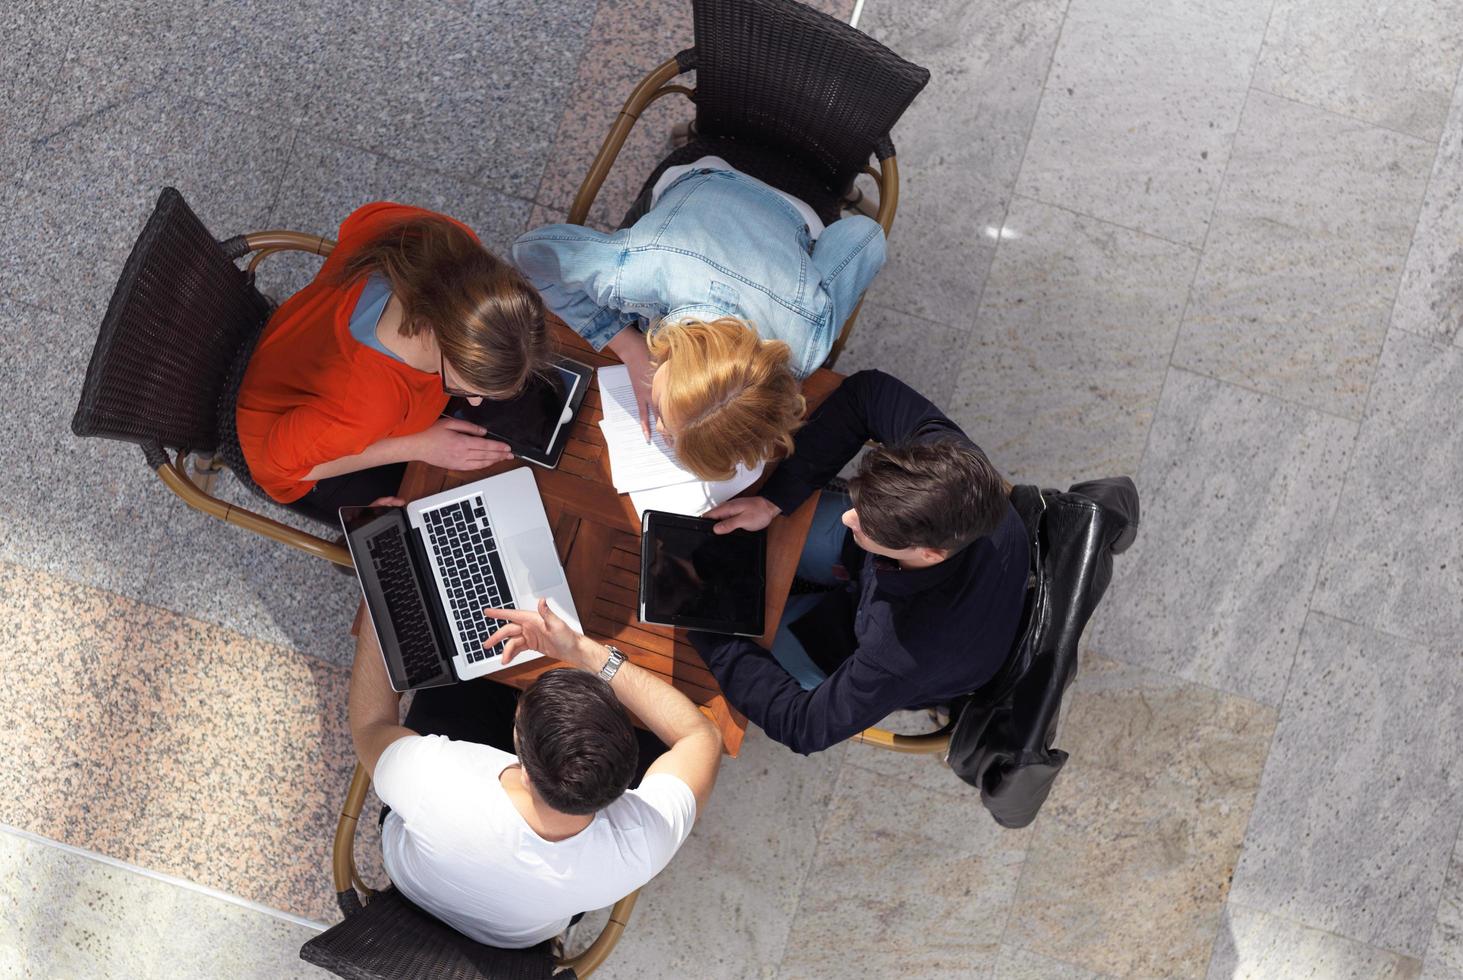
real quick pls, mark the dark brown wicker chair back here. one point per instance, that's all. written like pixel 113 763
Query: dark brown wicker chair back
pixel 787 77
pixel 181 319
pixel 392 939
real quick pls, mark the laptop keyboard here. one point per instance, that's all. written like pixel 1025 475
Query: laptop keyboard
pixel 419 655
pixel 472 571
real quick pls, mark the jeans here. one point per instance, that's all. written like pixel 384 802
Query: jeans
pixel 822 550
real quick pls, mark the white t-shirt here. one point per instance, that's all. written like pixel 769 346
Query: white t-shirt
pixel 455 844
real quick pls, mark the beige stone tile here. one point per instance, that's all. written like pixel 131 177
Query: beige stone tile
pixel 1017 963
pixel 723 907
pixel 1132 855
pixel 63 647
pixel 1255 945
pixel 906 883
pixel 243 752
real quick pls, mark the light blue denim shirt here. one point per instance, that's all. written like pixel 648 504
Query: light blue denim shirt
pixel 717 243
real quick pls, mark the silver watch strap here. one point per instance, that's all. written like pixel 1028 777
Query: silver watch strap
pixel 612 665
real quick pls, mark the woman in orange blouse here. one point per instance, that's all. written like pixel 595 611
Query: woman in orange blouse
pixel 351 373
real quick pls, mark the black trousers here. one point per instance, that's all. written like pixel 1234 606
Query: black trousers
pixel 356 489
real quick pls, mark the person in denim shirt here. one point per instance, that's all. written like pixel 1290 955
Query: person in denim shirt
pixel 715 244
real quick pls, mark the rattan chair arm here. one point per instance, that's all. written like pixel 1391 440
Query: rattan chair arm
pixel 645 93
pixel 930 743
pixel 174 476
pixel 588 961
pixel 342 853
pixel 294 240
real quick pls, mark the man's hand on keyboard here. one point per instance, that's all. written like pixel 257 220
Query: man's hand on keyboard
pixel 545 632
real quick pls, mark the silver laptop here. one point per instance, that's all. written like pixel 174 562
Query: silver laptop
pixel 428 570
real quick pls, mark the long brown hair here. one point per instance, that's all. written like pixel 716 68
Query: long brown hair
pixel 488 320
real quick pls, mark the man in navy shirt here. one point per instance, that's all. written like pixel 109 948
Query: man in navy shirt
pixel 925 563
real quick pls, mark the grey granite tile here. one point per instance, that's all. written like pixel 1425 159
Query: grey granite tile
pixel 1429 302
pixel 925 354
pixel 1360 788
pixel 325 181
pixel 88 191
pixel 723 907
pixel 960 143
pixel 73 507
pixel 1140 110
pixel 1127 871
pixel 1066 361
pixel 1392 64
pixel 474 90
pixel 1302 264
pixel 1255 945
pixel 1444 959
pixel 942 915
pixel 67 914
pixel 1395 559
pixel 1237 492
pixel 1016 963
pixel 256 586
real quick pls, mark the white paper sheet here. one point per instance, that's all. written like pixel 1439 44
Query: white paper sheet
pixel 694 499
pixel 634 463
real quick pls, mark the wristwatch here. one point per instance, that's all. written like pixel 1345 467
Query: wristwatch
pixel 612 665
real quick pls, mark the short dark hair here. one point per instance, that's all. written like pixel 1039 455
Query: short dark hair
pixel 575 741
pixel 942 494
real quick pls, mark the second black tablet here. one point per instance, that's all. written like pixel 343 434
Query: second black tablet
pixel 692 577
pixel 535 425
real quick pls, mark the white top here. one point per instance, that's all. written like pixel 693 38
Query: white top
pixel 673 174
pixel 455 844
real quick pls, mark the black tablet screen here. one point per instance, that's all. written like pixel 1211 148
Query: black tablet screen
pixel 699 575
pixel 531 419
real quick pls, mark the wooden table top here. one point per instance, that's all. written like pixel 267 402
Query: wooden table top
pixel 598 537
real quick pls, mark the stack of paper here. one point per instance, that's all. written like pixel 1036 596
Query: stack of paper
pixel 648 471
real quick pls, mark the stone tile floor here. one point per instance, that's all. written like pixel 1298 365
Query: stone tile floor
pixel 1209 243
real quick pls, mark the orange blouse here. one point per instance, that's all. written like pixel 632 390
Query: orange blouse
pixel 312 392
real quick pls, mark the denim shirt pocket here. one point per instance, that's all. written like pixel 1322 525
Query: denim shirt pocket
pixel 726 298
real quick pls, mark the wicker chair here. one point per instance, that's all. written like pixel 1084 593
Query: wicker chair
pixel 171 354
pixel 787 94
pixel 386 937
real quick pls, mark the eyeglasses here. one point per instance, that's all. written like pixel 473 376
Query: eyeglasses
pixel 446 388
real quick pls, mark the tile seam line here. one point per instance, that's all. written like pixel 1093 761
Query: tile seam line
pixel 1107 221
pixel 1269 750
pixel 1171 676
pixel 1282 399
pixel 569 89
pixel 1204 245
pixel 1340 115
pixel 167 879
pixel 1442 894
pixel 1328 932
pixel 812 863
pixel 979 306
pixel 974 326
pixel 327 137
pixel 284 173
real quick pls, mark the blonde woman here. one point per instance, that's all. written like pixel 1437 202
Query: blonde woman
pixel 721 395
pixel 715 244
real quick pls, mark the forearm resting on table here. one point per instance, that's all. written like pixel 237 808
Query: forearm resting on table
pixel 396 449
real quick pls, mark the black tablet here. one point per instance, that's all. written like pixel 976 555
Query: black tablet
pixel 692 577
pixel 535 425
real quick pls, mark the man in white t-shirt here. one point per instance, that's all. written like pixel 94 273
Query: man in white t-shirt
pixel 506 848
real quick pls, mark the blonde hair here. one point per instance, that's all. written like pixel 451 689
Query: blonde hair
pixel 731 395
